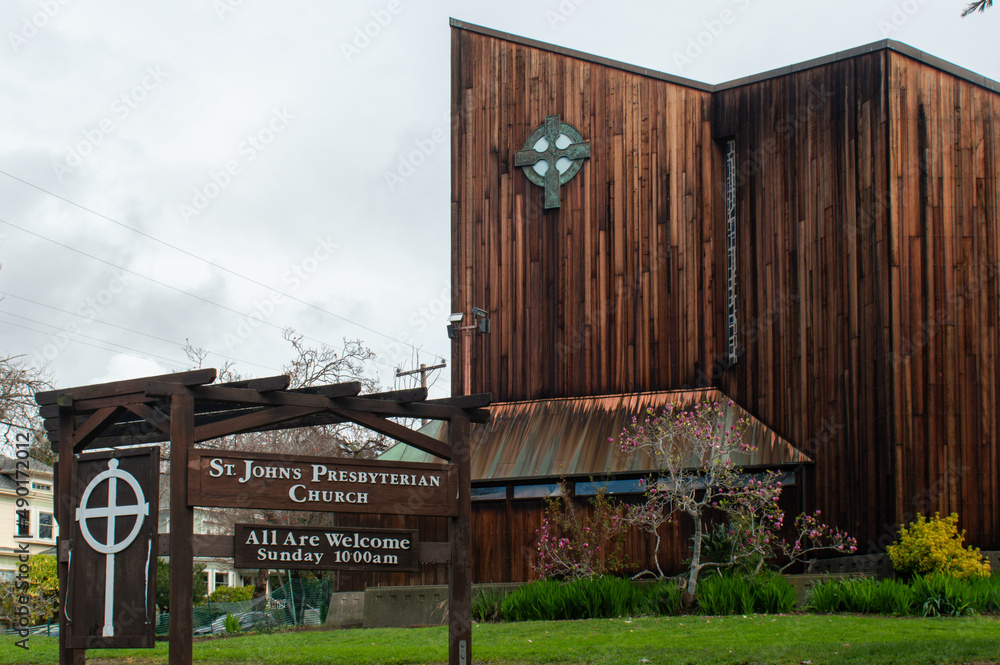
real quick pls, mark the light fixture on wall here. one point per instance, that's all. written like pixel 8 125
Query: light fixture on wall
pixel 481 323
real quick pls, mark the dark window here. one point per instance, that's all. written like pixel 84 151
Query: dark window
pixel 536 491
pixel 489 493
pixel 45 523
pixel 633 486
pixel 23 524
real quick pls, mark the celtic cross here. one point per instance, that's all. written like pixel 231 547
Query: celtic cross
pixel 139 510
pixel 551 156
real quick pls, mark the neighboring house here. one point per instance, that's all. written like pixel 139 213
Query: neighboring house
pixel 34 524
pixel 210 521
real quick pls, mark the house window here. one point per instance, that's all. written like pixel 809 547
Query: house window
pixel 43 487
pixel 221 579
pixel 23 528
pixel 731 247
pixel 45 523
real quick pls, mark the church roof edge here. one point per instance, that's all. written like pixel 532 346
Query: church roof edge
pixel 884 44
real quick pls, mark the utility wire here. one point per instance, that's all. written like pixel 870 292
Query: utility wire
pixel 211 263
pixel 96 339
pixel 156 281
pixel 114 325
pixel 77 341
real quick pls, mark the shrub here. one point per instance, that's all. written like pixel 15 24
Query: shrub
pixel 862 596
pixel 731 593
pixel 935 546
pixel 231 624
pixel 486 604
pixel 35 599
pixel 941 595
pixel 537 601
pixel 584 598
pixel 892 597
pixel 983 594
pixel 231 594
pixel 725 594
pixel 574 542
pixel 601 597
pixel 772 595
pixel 663 597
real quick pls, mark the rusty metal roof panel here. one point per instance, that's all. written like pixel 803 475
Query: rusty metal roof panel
pixel 570 436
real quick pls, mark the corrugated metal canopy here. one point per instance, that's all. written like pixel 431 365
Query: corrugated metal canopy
pixel 570 436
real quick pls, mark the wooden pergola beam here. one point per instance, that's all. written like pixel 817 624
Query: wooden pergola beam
pixel 396 431
pixel 92 427
pixel 250 422
pixel 115 388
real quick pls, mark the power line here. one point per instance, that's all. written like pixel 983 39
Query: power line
pixel 172 288
pixel 76 341
pixel 137 332
pixel 149 279
pixel 211 263
pixel 96 339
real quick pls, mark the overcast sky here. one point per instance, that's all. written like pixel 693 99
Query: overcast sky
pixel 208 159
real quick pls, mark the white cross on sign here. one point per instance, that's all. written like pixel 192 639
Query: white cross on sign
pixel 112 512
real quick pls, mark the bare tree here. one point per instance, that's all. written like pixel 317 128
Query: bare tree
pixel 977 6
pixel 309 367
pixel 19 381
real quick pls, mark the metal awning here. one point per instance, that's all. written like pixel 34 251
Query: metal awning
pixel 570 437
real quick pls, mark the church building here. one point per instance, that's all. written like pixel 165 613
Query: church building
pixel 818 243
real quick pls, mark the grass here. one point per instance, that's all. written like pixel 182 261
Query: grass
pixel 827 639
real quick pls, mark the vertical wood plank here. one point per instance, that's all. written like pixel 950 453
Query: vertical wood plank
pixel 181 532
pixel 64 516
pixel 460 534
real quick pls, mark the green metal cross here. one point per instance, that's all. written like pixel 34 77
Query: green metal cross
pixel 576 152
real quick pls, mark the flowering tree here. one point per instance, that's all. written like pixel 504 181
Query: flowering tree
pixel 694 451
pixel 573 542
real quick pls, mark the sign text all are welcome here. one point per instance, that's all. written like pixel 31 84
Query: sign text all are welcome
pixel 281 482
pixel 326 548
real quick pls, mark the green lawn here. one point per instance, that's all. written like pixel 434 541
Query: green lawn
pixel 826 639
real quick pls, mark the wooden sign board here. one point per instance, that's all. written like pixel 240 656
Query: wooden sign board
pixel 294 482
pixel 327 548
pixel 112 567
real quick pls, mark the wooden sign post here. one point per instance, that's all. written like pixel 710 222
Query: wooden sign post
pixel 185 410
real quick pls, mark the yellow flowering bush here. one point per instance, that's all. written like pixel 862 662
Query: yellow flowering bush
pixel 935 546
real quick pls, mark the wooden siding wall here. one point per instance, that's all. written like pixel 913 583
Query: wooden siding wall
pixel 868 248
pixel 612 292
pixel 814 313
pixel 945 137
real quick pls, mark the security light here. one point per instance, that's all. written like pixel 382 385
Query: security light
pixel 480 313
pixel 456 317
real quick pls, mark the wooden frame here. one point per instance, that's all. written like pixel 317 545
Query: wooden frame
pixel 132 605
pixel 185 409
